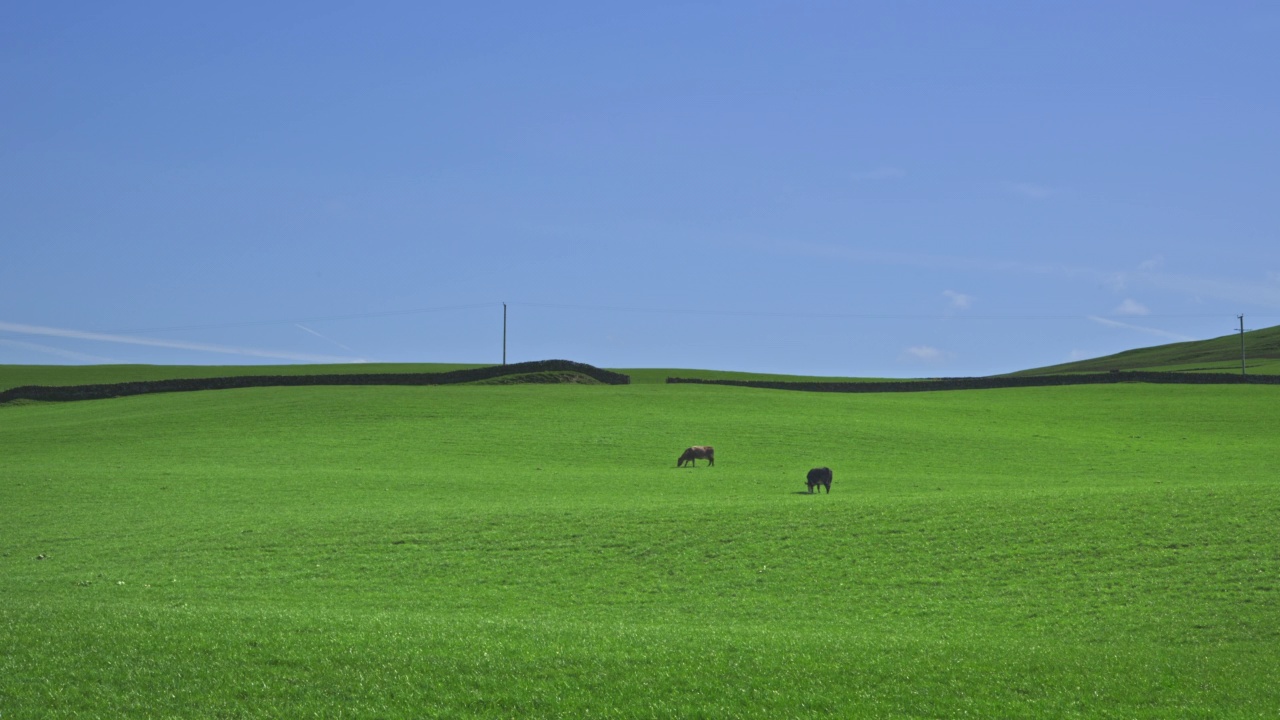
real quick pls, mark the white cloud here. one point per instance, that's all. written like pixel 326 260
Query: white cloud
pixel 1131 307
pixel 1077 355
pixel 1152 265
pixel 959 301
pixel 924 353
pixel 175 344
pixel 1138 328
pixel 880 173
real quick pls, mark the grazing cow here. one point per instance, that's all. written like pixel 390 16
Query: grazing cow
pixel 820 476
pixel 697 452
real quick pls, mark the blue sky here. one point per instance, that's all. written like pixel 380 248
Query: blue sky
pixel 874 189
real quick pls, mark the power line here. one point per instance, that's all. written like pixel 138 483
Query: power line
pixel 853 316
pixel 663 311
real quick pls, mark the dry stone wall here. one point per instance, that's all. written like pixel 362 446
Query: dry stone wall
pixel 99 392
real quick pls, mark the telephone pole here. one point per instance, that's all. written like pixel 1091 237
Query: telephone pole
pixel 504 333
pixel 1241 344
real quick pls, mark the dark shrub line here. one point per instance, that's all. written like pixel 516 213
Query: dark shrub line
pixel 992 383
pixel 142 387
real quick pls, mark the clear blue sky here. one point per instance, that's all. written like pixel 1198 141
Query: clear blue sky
pixel 872 188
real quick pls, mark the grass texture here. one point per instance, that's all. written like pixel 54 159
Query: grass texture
pixel 532 551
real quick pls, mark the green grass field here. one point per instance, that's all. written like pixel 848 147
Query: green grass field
pixel 532 551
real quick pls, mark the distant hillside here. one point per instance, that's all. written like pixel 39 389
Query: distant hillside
pixel 541 371
pixel 1262 353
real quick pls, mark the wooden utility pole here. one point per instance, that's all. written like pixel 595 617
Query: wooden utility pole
pixel 1241 344
pixel 504 333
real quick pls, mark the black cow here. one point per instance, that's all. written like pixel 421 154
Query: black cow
pixel 820 476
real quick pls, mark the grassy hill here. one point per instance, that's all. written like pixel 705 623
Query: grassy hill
pixel 1262 353
pixel 1262 349
pixel 532 551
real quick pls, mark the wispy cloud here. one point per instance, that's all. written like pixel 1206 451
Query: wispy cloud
pixel 959 301
pixel 1138 328
pixel 58 352
pixel 173 344
pixel 304 328
pixel 881 173
pixel 1258 291
pixel 1152 265
pixel 1131 307
pixel 1238 291
pixel 924 353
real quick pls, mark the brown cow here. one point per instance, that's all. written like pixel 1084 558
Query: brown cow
pixel 820 476
pixel 697 452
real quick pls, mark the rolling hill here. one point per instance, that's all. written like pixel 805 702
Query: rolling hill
pixel 1222 354
pixel 1218 355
